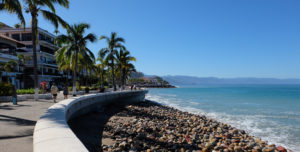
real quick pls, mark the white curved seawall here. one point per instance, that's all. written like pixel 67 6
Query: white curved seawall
pixel 52 132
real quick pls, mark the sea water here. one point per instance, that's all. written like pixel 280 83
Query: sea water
pixel 271 112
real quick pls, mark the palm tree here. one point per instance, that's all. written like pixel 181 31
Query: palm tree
pixel 10 65
pixel 35 8
pixel 22 60
pixel 84 67
pixel 17 25
pixel 13 6
pixel 114 42
pixel 90 67
pixel 73 48
pixel 124 65
pixel 101 67
pixel 63 65
pixel 7 67
pixel 56 31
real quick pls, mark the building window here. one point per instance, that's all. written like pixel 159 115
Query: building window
pixel 43 59
pixel 26 37
pixel 41 37
pixel 46 49
pixel 29 46
pixel 16 36
pixel 46 38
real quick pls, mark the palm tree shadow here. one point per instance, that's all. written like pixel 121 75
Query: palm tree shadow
pixel 7 107
pixel 12 107
pixel 17 121
pixel 26 133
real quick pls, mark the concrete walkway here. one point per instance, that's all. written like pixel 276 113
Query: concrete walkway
pixel 17 123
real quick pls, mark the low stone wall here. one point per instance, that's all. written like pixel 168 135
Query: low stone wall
pixel 41 96
pixel 25 97
pixel 5 98
pixel 52 132
pixel 77 92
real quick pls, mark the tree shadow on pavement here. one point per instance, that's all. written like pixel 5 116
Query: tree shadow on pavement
pixel 26 133
pixel 12 107
pixel 17 121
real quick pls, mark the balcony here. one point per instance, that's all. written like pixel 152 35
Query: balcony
pixel 8 56
pixel 30 72
pixel 46 63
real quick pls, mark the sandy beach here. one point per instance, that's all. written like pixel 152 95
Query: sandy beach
pixel 149 126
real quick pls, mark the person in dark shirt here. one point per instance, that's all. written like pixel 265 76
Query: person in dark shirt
pixel 66 91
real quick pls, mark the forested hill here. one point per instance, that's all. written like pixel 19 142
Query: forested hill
pixel 191 80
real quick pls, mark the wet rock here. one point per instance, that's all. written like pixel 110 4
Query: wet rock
pixel 160 128
pixel 238 149
pixel 281 149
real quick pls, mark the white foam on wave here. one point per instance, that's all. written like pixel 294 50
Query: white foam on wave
pixel 255 125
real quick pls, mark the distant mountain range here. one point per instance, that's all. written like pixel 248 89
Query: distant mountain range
pixel 190 80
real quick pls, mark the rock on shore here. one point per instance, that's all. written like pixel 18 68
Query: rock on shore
pixel 151 127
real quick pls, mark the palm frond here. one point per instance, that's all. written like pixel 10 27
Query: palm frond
pixel 63 39
pixel 64 3
pixel 47 3
pixel 13 6
pixel 90 37
pixel 54 19
pixel 119 39
pixel 103 52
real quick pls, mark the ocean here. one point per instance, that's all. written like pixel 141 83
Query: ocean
pixel 271 112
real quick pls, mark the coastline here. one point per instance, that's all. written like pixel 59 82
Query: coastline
pixel 150 126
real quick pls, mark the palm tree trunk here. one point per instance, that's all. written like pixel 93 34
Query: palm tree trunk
pixel 124 77
pixel 67 77
pixel 101 77
pixel 74 73
pixel 86 78
pixel 34 40
pixel 113 74
pixel 91 78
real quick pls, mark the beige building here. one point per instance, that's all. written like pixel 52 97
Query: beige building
pixel 47 68
pixel 8 52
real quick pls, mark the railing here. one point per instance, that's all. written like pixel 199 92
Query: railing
pixel 42 62
pixel 8 56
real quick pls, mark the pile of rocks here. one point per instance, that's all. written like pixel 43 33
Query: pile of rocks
pixel 154 127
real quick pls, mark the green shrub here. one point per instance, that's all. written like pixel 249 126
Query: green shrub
pixel 90 87
pixel 27 91
pixel 82 88
pixel 71 88
pixel 6 89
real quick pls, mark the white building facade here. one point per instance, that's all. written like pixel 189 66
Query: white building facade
pixel 47 67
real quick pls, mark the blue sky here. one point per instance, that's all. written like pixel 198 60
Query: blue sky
pixel 222 38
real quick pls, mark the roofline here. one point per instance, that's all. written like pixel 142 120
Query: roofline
pixel 19 44
pixel 26 29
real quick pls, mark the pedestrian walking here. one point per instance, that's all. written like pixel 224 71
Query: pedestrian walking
pixel 54 91
pixel 66 91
